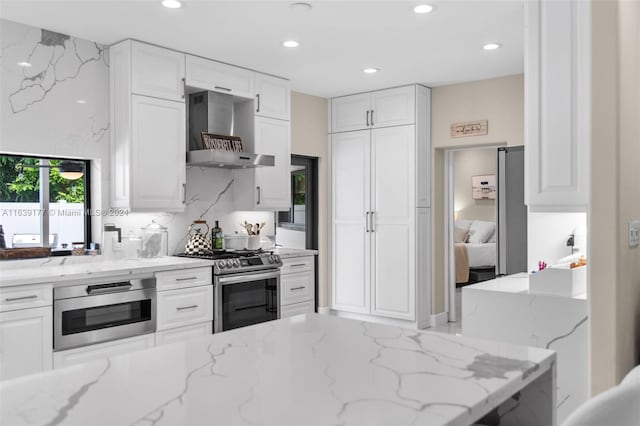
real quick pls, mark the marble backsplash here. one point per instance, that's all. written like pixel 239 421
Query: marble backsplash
pixel 58 105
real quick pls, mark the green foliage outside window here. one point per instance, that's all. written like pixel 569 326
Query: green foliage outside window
pixel 23 184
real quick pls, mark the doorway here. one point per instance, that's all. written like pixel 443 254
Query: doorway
pixel 470 221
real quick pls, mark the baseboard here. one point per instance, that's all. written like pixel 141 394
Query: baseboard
pixel 439 319
pixel 324 310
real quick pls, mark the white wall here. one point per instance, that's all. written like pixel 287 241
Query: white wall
pixel 468 163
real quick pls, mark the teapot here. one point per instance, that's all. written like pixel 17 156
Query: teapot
pixel 198 242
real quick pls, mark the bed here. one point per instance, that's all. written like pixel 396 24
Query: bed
pixel 475 247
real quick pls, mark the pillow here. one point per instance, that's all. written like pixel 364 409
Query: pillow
pixel 480 231
pixel 492 238
pixel 460 235
pixel 463 224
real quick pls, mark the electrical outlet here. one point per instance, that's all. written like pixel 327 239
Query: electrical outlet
pixel 634 233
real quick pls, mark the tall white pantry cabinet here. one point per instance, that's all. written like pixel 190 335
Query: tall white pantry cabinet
pixel 380 199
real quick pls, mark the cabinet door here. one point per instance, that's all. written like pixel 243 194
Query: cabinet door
pixel 26 342
pixel 187 306
pixel 102 350
pixel 273 97
pixel 218 77
pixel 557 99
pixel 393 107
pixel 350 200
pixel 182 334
pixel 296 287
pixel 273 184
pixel 158 154
pixel 157 72
pixel 393 234
pixel 350 112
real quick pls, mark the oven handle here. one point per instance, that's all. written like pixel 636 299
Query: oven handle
pixel 118 289
pixel 243 278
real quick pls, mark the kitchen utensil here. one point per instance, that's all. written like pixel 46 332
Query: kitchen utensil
pixel 198 242
pixel 253 242
pixel 155 240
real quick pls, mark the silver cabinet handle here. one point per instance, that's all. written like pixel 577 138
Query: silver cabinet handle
pixel 13 299
pixel 258 101
pixel 183 87
pixel 367 118
pixel 258 189
pixel 298 288
pixel 223 88
pixel 297 265
pixel 372 221
pixel 186 279
pixel 184 193
pixel 372 117
pixel 182 308
pixel 366 222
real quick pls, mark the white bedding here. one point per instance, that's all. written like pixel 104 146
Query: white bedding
pixel 481 254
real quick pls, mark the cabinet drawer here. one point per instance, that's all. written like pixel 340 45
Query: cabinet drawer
pixel 184 307
pixel 296 288
pixel 218 77
pixel 181 334
pixel 26 296
pixel 297 309
pixel 183 278
pixel 297 264
pixel 102 350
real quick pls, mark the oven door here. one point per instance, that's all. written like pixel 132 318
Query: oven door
pixel 81 321
pixel 245 299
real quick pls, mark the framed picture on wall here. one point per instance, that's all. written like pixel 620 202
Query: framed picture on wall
pixel 483 187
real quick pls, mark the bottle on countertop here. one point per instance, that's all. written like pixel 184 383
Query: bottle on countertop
pixel 216 237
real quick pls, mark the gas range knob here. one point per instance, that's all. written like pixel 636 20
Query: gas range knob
pixel 222 264
pixel 270 259
pixel 276 258
pixel 236 263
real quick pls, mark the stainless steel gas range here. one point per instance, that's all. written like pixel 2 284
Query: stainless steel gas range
pixel 246 287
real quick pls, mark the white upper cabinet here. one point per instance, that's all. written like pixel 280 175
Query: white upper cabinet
pixel 382 108
pixel 158 153
pixel 148 134
pixel 273 97
pixel 157 72
pixel 557 104
pixel 218 77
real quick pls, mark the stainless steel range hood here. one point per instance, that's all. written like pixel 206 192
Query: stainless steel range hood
pixel 213 112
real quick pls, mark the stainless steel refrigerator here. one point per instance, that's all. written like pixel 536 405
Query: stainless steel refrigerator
pixel 511 212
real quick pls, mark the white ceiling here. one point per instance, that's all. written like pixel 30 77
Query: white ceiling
pixel 337 38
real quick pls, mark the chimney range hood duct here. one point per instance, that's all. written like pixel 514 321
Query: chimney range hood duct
pixel 213 112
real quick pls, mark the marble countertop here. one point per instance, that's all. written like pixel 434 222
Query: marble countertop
pixel 305 370
pixel 516 283
pixel 62 270
pixel 285 252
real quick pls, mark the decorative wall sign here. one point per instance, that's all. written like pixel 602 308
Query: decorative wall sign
pixel 483 187
pixel 221 143
pixel 470 128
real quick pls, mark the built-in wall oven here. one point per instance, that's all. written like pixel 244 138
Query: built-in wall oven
pixel 102 311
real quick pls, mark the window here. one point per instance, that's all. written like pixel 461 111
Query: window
pixel 44 196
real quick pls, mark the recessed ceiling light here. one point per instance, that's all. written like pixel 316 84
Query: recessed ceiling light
pixel 81 101
pixel 371 70
pixel 290 43
pixel 24 64
pixel 172 4
pixel 492 46
pixel 300 6
pixel 423 8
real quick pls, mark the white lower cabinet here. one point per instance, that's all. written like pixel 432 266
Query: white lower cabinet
pixel 177 308
pixel 102 350
pixel 297 286
pixel 181 334
pixel 297 309
pixel 26 341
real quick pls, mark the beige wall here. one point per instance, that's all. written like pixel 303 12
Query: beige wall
pixel 309 137
pixel 498 100
pixel 468 163
pixel 614 271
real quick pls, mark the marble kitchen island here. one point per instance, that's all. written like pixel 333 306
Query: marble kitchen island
pixel 505 310
pixel 305 370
